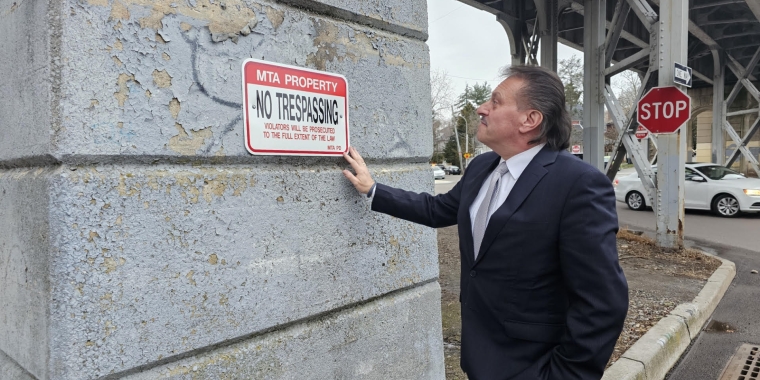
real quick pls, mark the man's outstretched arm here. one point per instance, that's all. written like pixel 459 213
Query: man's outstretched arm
pixel 425 209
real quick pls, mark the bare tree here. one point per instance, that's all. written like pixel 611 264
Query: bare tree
pixel 441 101
pixel 626 86
pixel 571 73
pixel 440 92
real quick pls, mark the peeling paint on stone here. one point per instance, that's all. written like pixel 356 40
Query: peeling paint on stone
pixel 275 16
pixel 177 180
pixel 119 11
pixel 174 107
pixel 162 79
pixel 123 92
pixel 185 144
pixel 213 187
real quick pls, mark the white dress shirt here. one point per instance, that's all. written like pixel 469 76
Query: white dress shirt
pixel 516 165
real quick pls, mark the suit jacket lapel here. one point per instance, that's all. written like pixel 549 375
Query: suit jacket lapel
pixel 520 191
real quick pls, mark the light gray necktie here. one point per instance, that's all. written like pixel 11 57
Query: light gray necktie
pixel 481 217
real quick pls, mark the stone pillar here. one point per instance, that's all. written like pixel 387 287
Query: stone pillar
pixel 139 239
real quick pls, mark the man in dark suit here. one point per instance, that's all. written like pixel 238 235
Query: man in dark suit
pixel 543 295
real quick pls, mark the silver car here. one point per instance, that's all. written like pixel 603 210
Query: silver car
pixel 706 187
pixel 438 173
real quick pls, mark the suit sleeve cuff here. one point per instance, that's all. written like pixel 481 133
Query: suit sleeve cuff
pixel 371 192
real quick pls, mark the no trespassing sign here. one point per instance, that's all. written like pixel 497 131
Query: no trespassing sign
pixel 294 111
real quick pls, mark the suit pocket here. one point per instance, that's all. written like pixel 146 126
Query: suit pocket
pixel 534 332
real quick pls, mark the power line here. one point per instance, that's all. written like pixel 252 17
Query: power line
pixel 486 80
pixel 447 13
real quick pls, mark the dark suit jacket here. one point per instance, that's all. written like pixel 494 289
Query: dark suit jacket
pixel 546 298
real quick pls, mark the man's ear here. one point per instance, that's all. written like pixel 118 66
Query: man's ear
pixel 532 121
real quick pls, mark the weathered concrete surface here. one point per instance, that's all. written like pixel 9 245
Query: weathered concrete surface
pixel 24 259
pixel 153 262
pixel 11 370
pixel 145 79
pixel 136 231
pixel 401 17
pixel 26 98
pixel 346 345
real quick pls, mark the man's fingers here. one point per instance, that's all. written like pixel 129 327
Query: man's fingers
pixel 362 180
pixel 355 165
pixel 351 177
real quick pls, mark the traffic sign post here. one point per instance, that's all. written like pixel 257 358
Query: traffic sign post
pixel 664 109
pixel 641 132
pixel 665 119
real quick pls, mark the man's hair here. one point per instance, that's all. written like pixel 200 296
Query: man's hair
pixel 543 91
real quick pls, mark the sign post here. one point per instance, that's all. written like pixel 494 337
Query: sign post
pixel 672 31
pixel 294 111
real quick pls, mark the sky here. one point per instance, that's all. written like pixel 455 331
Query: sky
pixel 469 44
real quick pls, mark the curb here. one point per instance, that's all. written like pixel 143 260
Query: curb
pixel 652 356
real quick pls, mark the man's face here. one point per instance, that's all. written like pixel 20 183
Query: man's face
pixel 500 117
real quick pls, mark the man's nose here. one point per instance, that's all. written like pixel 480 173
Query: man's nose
pixel 481 109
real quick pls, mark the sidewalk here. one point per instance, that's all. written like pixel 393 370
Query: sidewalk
pixel 655 353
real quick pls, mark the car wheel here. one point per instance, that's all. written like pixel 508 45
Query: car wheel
pixel 726 206
pixel 635 201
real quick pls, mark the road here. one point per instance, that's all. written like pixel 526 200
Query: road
pixel 736 239
pixel 740 232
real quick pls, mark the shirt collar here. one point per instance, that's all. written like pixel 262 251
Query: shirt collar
pixel 517 163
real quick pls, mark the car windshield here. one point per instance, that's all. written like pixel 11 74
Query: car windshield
pixel 716 172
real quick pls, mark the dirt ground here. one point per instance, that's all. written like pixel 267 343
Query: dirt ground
pixel 657 282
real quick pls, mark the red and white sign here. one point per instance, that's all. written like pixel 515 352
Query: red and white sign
pixel 664 109
pixel 294 111
pixel 576 149
pixel 641 132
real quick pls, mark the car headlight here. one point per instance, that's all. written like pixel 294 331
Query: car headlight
pixel 752 192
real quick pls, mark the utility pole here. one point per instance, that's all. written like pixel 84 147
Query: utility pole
pixel 456 134
pixel 466 135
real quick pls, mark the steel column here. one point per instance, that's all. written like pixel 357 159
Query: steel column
pixel 618 21
pixel 718 154
pixel 672 44
pixel 548 15
pixel 515 29
pixel 594 22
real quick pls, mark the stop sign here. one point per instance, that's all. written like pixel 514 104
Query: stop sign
pixel 664 109
pixel 641 132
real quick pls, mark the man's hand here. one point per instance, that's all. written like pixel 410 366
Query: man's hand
pixel 362 181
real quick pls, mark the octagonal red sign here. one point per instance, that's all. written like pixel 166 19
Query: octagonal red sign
pixel 664 109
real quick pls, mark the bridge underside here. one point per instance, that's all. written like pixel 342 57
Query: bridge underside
pixel 723 49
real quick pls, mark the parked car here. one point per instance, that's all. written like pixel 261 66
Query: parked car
pixel 706 187
pixel 438 173
pixel 453 170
